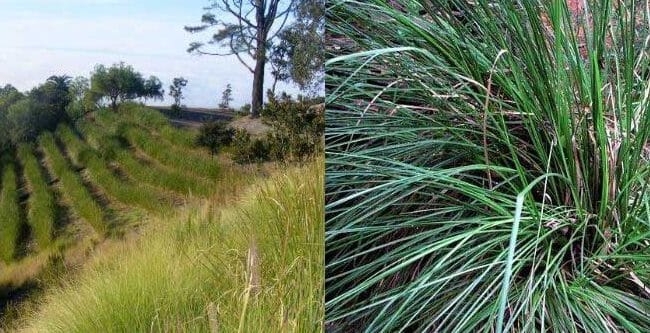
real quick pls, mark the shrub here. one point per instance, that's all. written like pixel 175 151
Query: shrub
pixel 176 109
pixel 297 126
pixel 215 135
pixel 244 110
pixel 250 150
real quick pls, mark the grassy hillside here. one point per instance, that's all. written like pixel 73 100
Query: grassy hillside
pixel 118 222
pixel 255 266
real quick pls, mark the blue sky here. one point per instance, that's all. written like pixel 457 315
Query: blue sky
pixel 39 38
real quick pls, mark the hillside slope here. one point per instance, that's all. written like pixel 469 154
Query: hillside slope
pixel 252 267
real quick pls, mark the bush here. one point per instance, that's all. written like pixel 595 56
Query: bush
pixel 248 149
pixel 244 110
pixel 176 109
pixel 297 126
pixel 215 135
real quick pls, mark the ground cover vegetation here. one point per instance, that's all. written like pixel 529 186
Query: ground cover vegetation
pixel 256 266
pixel 488 166
pixel 119 204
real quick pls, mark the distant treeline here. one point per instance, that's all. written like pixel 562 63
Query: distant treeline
pixel 24 115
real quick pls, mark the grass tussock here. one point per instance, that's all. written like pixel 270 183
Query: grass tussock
pixel 42 212
pixel 193 272
pixel 158 123
pixel 10 221
pixel 72 188
pixel 113 148
pixel 128 193
pixel 178 158
pixel 488 166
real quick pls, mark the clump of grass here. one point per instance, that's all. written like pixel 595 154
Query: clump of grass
pixel 156 121
pixel 151 120
pixel 42 210
pixel 10 222
pixel 179 156
pixel 73 189
pixel 189 273
pixel 99 173
pixel 488 167
pixel 172 180
pixel 175 157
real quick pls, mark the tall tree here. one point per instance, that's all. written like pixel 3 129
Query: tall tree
pixel 249 33
pixel 176 91
pixel 226 97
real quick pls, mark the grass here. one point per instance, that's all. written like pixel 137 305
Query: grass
pixel 75 193
pixel 100 174
pixel 156 121
pixel 139 127
pixel 42 212
pixel 175 157
pixel 190 273
pixel 488 167
pixel 10 222
pixel 172 180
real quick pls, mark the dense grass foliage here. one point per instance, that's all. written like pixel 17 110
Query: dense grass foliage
pixel 156 121
pixel 42 211
pixel 190 273
pixel 100 174
pixel 150 119
pixel 10 222
pixel 179 157
pixel 113 148
pixel 488 167
pixel 175 157
pixel 72 187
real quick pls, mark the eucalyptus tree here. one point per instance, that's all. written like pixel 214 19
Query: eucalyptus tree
pixel 176 91
pixel 246 29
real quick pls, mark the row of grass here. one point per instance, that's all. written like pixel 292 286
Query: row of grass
pixel 113 148
pixel 10 222
pixel 176 156
pixel 100 174
pixel 156 121
pixel 72 187
pixel 42 210
pixel 190 273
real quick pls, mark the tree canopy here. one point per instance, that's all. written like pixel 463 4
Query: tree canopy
pixel 121 82
pixel 176 91
pixel 299 55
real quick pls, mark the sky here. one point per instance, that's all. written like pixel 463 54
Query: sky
pixel 40 38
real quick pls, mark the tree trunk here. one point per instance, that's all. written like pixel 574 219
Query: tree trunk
pixel 258 80
pixel 260 60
